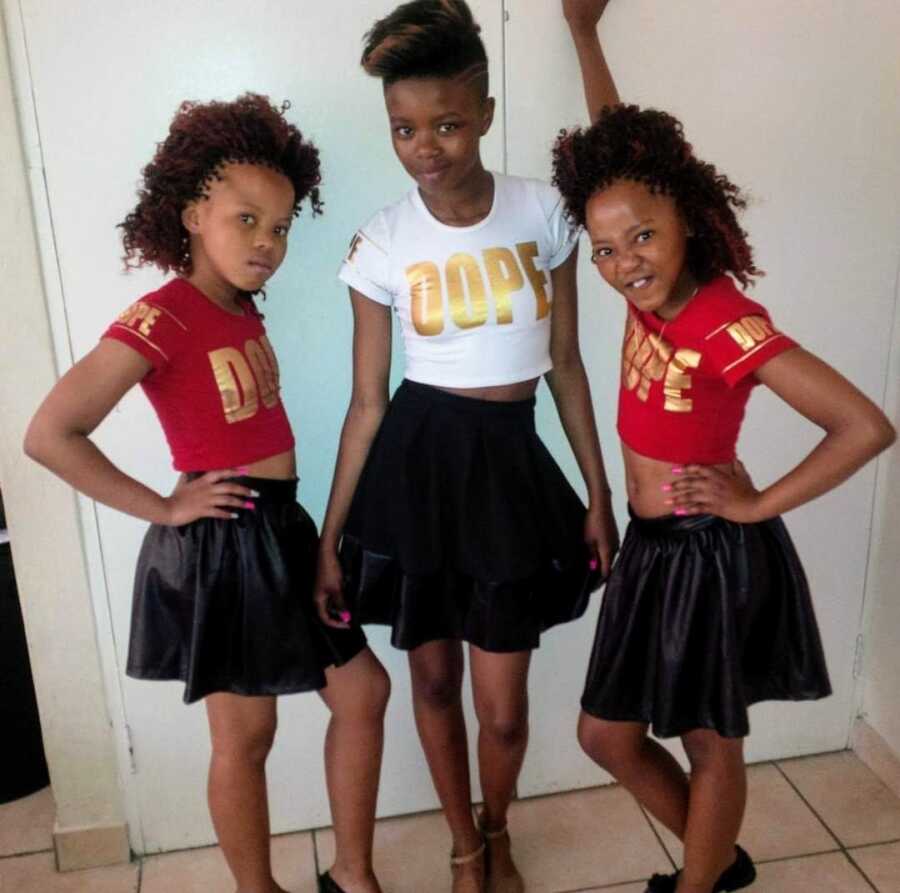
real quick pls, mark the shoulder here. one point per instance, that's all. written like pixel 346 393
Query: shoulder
pixel 719 303
pixel 531 192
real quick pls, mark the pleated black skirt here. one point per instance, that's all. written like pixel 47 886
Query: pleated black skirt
pixel 463 526
pixel 226 605
pixel 702 617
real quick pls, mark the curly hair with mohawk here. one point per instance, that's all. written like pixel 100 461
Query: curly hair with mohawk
pixel 202 138
pixel 649 147
pixel 427 39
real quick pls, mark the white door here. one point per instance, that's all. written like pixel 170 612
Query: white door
pixel 106 78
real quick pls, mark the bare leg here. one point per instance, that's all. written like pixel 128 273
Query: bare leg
pixel 242 730
pixel 357 695
pixel 718 798
pixel 641 765
pixel 500 688
pixel 436 669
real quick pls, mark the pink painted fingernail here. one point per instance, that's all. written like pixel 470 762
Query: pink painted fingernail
pixel 680 511
pixel 592 564
pixel 677 469
pixel 244 469
pixel 345 616
pixel 249 505
pixel 666 488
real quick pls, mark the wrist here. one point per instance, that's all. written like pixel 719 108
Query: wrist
pixel 601 498
pixel 162 512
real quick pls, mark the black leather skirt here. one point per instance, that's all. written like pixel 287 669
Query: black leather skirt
pixel 226 605
pixel 463 526
pixel 702 617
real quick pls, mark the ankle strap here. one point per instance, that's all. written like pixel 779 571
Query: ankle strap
pixel 469 857
pixel 491 835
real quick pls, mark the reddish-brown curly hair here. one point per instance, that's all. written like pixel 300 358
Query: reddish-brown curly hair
pixel 202 137
pixel 648 146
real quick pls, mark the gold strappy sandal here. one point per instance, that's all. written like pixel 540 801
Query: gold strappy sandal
pixel 510 882
pixel 457 862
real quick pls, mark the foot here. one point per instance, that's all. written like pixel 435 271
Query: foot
pixel 502 874
pixel 468 871
pixel 334 881
pixel 741 873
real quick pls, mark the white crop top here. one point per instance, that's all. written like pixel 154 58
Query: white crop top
pixel 474 302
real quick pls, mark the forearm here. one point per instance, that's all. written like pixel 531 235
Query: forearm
pixel 836 458
pixel 571 393
pixel 599 86
pixel 360 427
pixel 80 463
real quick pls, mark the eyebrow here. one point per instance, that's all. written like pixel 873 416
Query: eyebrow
pixel 630 229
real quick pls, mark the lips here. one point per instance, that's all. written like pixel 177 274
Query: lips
pixel 260 266
pixel 640 283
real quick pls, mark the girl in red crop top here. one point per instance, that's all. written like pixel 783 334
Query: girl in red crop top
pixel 223 589
pixel 707 609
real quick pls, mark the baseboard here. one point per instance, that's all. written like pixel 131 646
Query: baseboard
pixel 78 848
pixel 877 754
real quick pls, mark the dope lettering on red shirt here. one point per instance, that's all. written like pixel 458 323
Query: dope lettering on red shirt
pixel 685 383
pixel 214 383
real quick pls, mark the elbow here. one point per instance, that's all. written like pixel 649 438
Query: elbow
pixel 34 443
pixel 877 432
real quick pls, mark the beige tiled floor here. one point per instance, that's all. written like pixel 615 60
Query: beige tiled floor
pixel 821 824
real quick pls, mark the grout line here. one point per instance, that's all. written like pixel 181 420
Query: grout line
pixel 809 806
pixel 3 856
pixel 140 874
pixel 657 835
pixel 866 878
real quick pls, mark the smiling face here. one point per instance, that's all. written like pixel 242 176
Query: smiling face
pixel 239 232
pixel 639 245
pixel 436 126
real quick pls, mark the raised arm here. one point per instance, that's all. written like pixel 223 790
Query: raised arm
pixel 59 439
pixel 368 404
pixel 599 86
pixel 856 430
pixel 569 385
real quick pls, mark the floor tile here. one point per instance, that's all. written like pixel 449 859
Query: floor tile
pixel 777 824
pixel 26 825
pixel 564 842
pixel 204 870
pixel 583 839
pixel 880 864
pixel 828 873
pixel 411 853
pixel 855 804
pixel 618 888
pixel 38 874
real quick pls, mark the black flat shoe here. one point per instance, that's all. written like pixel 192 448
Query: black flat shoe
pixel 327 885
pixel 741 873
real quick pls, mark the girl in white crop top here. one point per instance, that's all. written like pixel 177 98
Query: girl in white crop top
pixel 448 519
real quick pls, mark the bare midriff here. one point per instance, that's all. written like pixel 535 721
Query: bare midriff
pixel 645 479
pixel 503 393
pixel 280 467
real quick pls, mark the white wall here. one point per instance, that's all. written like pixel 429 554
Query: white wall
pixel 881 704
pixel 786 98
pixel 44 524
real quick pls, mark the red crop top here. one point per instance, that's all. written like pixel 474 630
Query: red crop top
pixel 214 382
pixel 685 383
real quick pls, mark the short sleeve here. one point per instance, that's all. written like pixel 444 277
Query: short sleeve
pixel 366 266
pixel 150 329
pixel 562 233
pixel 739 347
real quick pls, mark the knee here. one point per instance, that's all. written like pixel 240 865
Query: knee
pixel 377 693
pixel 437 691
pixel 249 746
pixel 618 754
pixel 506 727
pixel 707 750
